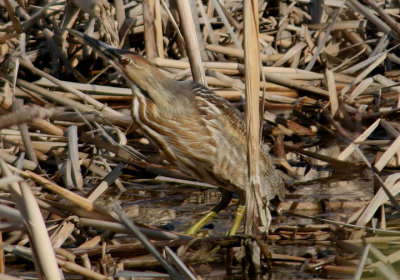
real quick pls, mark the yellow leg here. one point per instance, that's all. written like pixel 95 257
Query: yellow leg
pixel 225 200
pixel 241 209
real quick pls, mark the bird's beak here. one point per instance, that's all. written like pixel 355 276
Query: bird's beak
pixel 106 51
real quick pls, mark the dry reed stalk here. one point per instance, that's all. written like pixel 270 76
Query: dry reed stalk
pixel 27 116
pixel 136 248
pixel 361 265
pixel 125 100
pixel 240 53
pixel 333 98
pixel 158 29
pixel 373 18
pixel 90 88
pixel 101 118
pixel 152 233
pixel 164 62
pixel 80 270
pixel 353 69
pixel 233 95
pixel 209 30
pixel 387 272
pixel 341 25
pixel 290 54
pixel 361 87
pixel 252 81
pixel 387 155
pixel 42 250
pixel 214 82
pixel 73 157
pixel 389 259
pixel 10 159
pixel 374 240
pixel 235 83
pixel 385 16
pixel 84 97
pixel 228 27
pixel 322 43
pixel 271 39
pixel 352 147
pixel 107 181
pixel 133 229
pixel 27 143
pixel 180 39
pixel 49 95
pixel 48 147
pixel 149 28
pixel 46 126
pixel 62 233
pixel 192 42
pixel 91 243
pixel 283 81
pixel 365 214
pixel 69 195
pixel 293 72
pixel 270 77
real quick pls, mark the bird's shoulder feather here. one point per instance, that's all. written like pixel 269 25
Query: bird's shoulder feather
pixel 212 105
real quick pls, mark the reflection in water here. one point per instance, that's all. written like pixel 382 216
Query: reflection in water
pixel 339 190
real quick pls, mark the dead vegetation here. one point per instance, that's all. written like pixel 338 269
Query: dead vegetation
pixel 71 156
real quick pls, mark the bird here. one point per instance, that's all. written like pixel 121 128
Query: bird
pixel 197 131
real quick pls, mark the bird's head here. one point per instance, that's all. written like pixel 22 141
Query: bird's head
pixel 156 86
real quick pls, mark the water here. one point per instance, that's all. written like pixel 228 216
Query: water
pixel 176 208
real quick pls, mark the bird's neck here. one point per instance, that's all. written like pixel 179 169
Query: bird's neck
pixel 171 98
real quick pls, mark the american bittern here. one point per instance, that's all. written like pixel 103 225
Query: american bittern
pixel 194 129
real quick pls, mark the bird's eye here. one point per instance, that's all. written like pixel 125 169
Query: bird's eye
pixel 125 61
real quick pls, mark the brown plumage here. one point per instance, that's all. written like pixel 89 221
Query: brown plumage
pixel 197 131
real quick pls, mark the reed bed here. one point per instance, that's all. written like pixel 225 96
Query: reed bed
pixel 84 195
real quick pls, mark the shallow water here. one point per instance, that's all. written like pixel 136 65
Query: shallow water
pixel 175 208
pixel 358 189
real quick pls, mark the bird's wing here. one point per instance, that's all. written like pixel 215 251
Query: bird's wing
pixel 213 105
pixel 229 131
